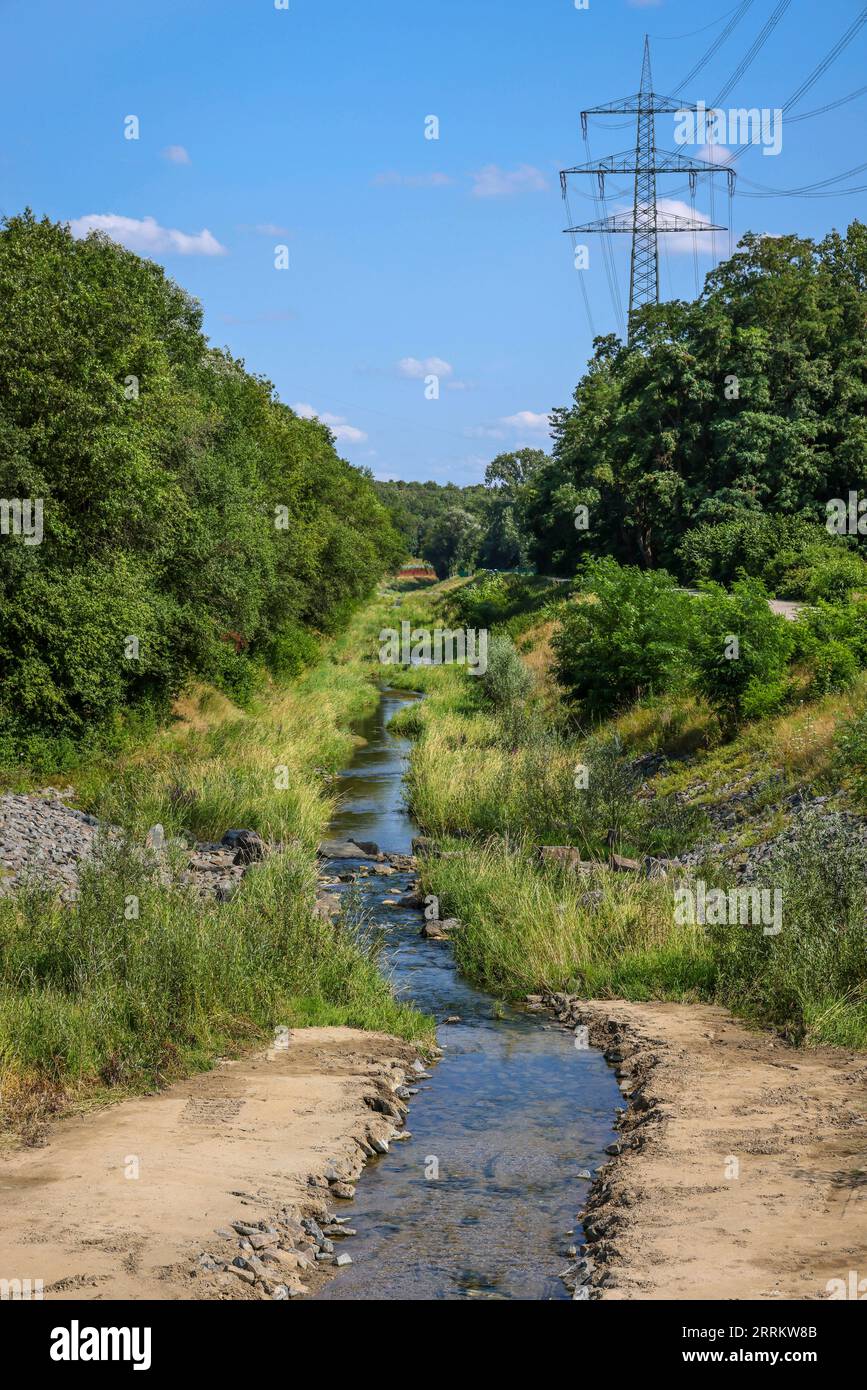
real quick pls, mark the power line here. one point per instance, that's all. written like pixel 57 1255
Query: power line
pixel 757 44
pixel 832 105
pixel 718 41
pixel 829 58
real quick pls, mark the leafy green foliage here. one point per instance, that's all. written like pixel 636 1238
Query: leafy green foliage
pixel 796 559
pixel 506 682
pixel 627 638
pixel 740 650
pixel 162 466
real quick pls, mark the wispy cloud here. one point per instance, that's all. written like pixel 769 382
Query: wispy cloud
pixel 681 242
pixel 340 428
pixel 416 368
pixel 176 154
pixel 527 420
pixel 144 234
pixel 494 182
pixel 392 179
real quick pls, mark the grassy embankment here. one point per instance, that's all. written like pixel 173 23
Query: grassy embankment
pixel 506 777
pixel 141 981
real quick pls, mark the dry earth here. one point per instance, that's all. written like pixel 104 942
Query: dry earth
pixel 708 1098
pixel 238 1143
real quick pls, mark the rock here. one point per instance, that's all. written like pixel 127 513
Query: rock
pixel 384 870
pixel 410 900
pixel 453 1018
pixel 379 1146
pixel 433 931
pixel 343 849
pixel 343 1260
pixel 423 844
pixel 622 865
pixel 369 846
pixel 450 924
pixel 156 838
pixel 327 905
pixel 260 1241
pixel 246 1274
pixel 250 848
pixel 656 868
pixel 570 858
pixel 232 838
pixel 344 1190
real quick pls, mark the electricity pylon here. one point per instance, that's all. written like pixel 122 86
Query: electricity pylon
pixel 646 223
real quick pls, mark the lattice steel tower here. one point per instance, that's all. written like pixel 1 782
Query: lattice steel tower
pixel 646 222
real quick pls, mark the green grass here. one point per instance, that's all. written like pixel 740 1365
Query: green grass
pixel 528 927
pixel 98 996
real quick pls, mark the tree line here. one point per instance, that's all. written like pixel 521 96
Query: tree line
pixel 163 514
pixel 710 444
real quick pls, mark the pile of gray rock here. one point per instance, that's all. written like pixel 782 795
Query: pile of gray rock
pixel 43 841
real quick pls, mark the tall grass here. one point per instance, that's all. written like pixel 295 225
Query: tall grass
pixel 141 980
pixel 529 927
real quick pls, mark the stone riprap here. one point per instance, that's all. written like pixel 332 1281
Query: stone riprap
pixel 43 841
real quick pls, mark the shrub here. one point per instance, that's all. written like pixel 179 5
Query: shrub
pixel 627 638
pixel 506 682
pixel 740 650
pixel 795 558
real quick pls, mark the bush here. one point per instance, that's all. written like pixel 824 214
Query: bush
pixel 740 651
pixel 794 558
pixel 497 599
pixel 627 638
pixel 831 642
pixel 506 682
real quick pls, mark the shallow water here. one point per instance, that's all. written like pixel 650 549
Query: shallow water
pixel 479 1202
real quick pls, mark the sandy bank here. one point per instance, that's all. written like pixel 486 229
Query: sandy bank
pixel 743 1173
pixel 122 1203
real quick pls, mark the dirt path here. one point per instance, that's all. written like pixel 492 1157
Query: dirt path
pixel 744 1170
pixel 121 1203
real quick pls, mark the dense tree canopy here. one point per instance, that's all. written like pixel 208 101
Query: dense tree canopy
pixel 183 505
pixel 750 402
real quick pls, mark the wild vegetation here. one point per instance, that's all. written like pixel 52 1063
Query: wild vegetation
pixel 97 1001
pixel 191 525
pixel 652 768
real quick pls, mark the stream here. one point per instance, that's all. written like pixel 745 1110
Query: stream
pixel 481 1201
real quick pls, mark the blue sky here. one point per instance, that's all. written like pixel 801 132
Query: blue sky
pixel 304 127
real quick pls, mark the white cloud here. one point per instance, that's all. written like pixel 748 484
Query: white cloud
pixel 416 368
pixel 681 242
pixel 176 154
pixel 147 236
pixel 527 420
pixel 494 182
pixel 484 432
pixel 336 423
pixel 392 179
